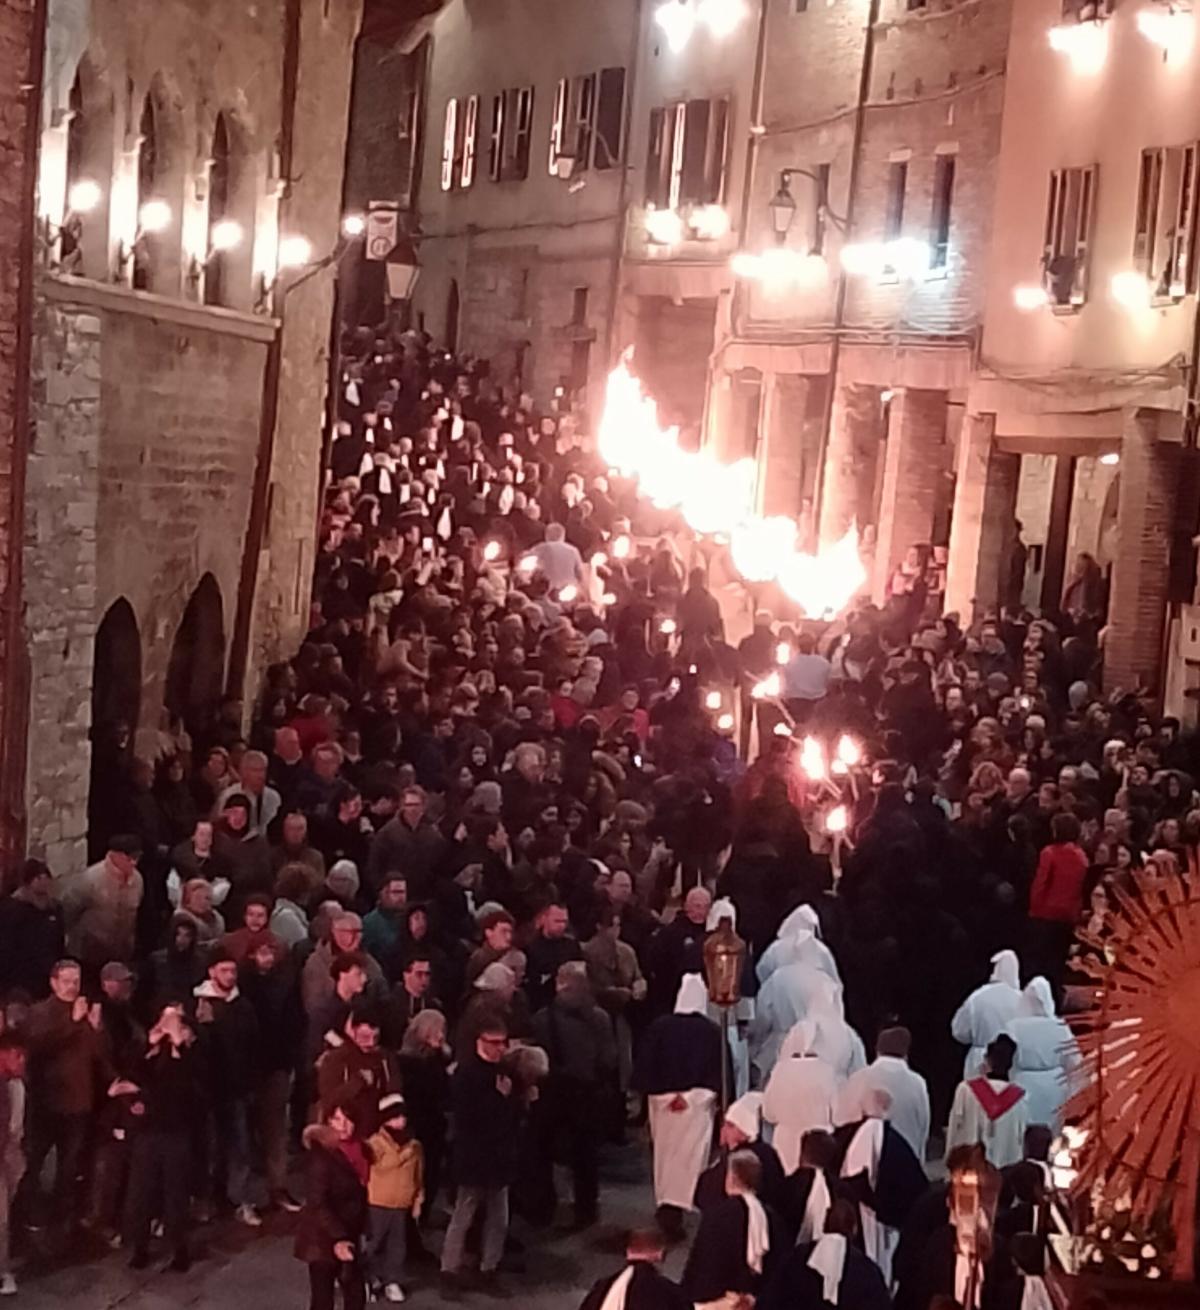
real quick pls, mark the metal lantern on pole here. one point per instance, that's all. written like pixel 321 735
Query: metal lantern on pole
pixel 724 961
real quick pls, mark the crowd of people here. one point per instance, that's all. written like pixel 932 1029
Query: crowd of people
pixel 434 928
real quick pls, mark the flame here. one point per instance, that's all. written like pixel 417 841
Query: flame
pixel 812 759
pixel 717 499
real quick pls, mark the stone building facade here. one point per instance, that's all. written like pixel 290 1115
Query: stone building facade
pixel 189 202
pixel 523 186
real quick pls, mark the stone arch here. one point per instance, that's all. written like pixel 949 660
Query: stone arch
pixel 116 704
pixel 231 199
pixel 90 158
pixel 161 175
pixel 196 671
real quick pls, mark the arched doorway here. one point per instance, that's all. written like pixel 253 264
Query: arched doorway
pixel 451 342
pixel 116 703
pixel 196 672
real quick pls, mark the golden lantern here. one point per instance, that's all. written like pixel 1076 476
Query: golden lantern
pixel 724 960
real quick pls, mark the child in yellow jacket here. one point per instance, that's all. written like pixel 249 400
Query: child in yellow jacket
pixel 395 1189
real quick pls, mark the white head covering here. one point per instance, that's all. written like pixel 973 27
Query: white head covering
pixel 614 1298
pixel 693 995
pixel 722 909
pixel 829 1259
pixel 758 1234
pixel 1007 969
pixel 746 1113
pixel 816 1209
pixel 1037 999
pixel 803 919
pixel 799 1040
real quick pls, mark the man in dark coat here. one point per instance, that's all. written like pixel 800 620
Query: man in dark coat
pixel 485 1126
pixel 677 949
pixel 229 1041
pixel 640 1283
pixel 547 952
pixel 31 932
pixel 741 1131
pixel 829 1272
pixel 408 844
pixel 739 1240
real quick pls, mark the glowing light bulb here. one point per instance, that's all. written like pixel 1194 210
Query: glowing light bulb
pixel 294 252
pixel 528 563
pixel 491 551
pixel 1110 458
pixel 354 225
pixel 609 598
pixel 783 653
pixel 713 700
pixel 569 593
pixel 84 196
pixel 725 722
pixel 667 627
pixel 663 226
pixel 771 685
pixel 837 820
pixel 849 751
pixel 599 560
pixel 1131 289
pixel 154 216
pixel 812 759
pixel 782 730
pixel 677 19
pixel 1030 297
pixel 226 235
pixel 621 547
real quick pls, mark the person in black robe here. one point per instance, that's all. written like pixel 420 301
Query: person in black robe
pixel 796 1284
pixel 802 1210
pixel 644 1287
pixel 741 1131
pixel 739 1240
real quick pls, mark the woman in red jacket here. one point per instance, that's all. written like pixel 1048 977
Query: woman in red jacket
pixel 1056 901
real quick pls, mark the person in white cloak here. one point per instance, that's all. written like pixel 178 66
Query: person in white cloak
pixel 792 993
pixel 743 1011
pixel 800 1094
pixel 990 1110
pixel 1047 1056
pixel 985 1014
pixel 798 941
pixel 909 1114
pixel 679 1070
pixel 837 1043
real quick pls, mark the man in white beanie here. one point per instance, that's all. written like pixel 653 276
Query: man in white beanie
pixel 679 1070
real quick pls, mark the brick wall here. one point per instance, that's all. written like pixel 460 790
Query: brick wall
pixel 138 485
pixel 16 184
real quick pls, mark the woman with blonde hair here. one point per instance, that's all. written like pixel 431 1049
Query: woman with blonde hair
pixel 424 1062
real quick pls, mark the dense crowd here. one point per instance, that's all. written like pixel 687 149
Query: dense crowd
pixel 438 923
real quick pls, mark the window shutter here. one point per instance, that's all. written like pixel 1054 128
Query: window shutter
pixel 692 189
pixel 496 142
pixel 558 123
pixel 610 115
pixel 1083 231
pixel 656 156
pixel 1185 259
pixel 449 142
pixel 718 153
pixel 678 137
pixel 470 139
pixel 585 120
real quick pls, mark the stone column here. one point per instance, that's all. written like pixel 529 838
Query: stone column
pixel 981 527
pixel 1137 605
pixel 781 468
pixel 854 428
pixel 913 465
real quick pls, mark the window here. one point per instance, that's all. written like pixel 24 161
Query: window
pixel 1086 11
pixel 820 209
pixel 147 177
pixel 584 120
pixel 579 306
pixel 470 141
pixel 558 122
pixel 216 268
pixel 1164 238
pixel 897 185
pixel 799 6
pixel 686 160
pixel 449 144
pixel 1069 208
pixel 939 219
pixel 496 141
pixel 610 114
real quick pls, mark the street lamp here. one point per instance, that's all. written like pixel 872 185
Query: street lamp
pixel 783 208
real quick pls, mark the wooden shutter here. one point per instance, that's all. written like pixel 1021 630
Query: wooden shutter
pixel 656 159
pixel 558 121
pixel 678 139
pixel 449 142
pixel 1084 210
pixel 496 140
pixel 717 154
pixel 610 117
pixel 470 141
pixel 1146 223
pixel 1184 271
pixel 585 120
pixel 692 189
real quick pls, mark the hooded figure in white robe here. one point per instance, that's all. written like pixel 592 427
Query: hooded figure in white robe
pixel 836 1043
pixel 792 993
pixel 798 941
pixel 986 1013
pixel 679 1069
pixel 800 1094
pixel 1047 1056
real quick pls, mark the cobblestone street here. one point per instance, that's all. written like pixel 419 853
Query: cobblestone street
pixel 236 1268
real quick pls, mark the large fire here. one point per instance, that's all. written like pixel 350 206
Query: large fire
pixel 716 498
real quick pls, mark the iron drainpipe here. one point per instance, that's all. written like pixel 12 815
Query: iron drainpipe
pixel 839 308
pixel 618 263
pixel 14 713
pixel 260 494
